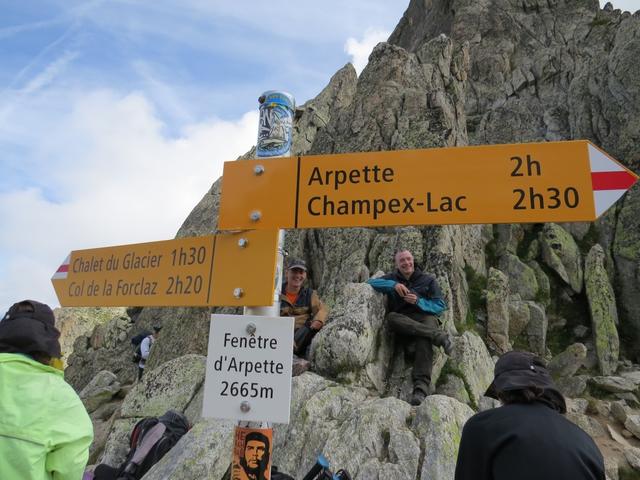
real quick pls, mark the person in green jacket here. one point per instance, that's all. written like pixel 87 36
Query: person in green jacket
pixel 45 431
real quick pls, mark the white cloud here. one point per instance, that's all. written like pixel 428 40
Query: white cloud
pixel 112 176
pixel 361 49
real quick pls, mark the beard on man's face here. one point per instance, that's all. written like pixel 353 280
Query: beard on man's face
pixel 252 470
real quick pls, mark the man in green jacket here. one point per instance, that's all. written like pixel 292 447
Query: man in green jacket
pixel 45 431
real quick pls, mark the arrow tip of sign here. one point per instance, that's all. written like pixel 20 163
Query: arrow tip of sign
pixel 610 179
pixel 63 269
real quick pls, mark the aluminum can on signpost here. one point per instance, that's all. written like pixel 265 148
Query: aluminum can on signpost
pixel 276 124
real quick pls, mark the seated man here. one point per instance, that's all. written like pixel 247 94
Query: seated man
pixel 45 431
pixel 414 303
pixel 302 303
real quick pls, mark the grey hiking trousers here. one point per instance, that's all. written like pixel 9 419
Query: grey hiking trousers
pixel 425 331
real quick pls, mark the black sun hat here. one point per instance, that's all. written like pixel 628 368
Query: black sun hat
pixel 29 327
pixel 519 370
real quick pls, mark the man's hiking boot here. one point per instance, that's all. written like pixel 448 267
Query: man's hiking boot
pixel 418 397
pixel 447 346
pixel 300 365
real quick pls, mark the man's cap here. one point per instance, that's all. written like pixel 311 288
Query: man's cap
pixel 29 331
pixel 520 370
pixel 297 263
pixel 157 328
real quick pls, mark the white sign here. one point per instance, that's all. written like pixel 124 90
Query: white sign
pixel 249 368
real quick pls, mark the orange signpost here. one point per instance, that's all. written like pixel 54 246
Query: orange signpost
pixel 523 183
pixel 227 270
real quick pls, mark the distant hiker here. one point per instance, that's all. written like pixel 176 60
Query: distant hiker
pixel 145 349
pixel 414 303
pixel 527 438
pixel 45 431
pixel 304 304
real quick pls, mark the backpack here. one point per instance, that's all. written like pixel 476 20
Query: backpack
pixel 150 439
pixel 137 342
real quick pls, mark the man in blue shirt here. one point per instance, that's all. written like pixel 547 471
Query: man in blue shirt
pixel 414 303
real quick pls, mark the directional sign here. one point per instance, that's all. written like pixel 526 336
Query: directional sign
pixel 249 368
pixel 524 183
pixel 227 270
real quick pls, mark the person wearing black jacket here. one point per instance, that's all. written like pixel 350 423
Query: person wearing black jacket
pixel 414 303
pixel 528 437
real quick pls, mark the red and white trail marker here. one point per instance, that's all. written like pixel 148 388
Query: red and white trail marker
pixel 609 179
pixel 63 270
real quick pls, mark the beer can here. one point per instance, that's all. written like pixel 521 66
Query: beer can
pixel 275 129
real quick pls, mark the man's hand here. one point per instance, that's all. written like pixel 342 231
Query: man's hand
pixel 316 325
pixel 401 290
pixel 411 298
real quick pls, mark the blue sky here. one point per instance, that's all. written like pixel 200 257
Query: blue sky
pixel 116 116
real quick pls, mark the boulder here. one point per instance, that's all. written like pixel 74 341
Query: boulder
pixel 537 329
pixel 613 384
pixel 170 386
pixel 632 454
pixel 543 295
pixel 453 387
pixel 519 317
pixel 560 253
pixel 470 361
pixel 604 316
pixel 203 452
pixel 632 423
pixel 620 410
pixel 173 385
pixel 106 348
pixel 99 390
pixel 368 436
pixel 74 322
pixel 438 423
pixel 498 311
pixel 587 423
pixel 633 375
pixel 617 437
pixel 626 252
pixel 508 237
pixel 522 278
pixel 577 405
pixel 572 387
pixel 569 361
pixel 349 342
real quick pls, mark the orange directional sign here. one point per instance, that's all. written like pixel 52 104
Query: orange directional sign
pixel 524 183
pixel 226 270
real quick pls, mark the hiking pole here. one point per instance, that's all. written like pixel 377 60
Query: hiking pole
pixel 275 130
pixel 320 471
pixel 321 464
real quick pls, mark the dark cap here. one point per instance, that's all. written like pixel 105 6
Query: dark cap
pixel 157 328
pixel 297 263
pixel 29 327
pixel 520 370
